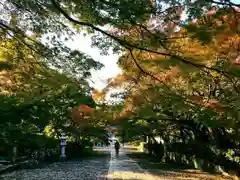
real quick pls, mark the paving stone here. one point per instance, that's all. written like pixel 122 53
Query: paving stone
pixel 125 168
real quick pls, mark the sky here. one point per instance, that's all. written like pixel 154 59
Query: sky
pixel 110 69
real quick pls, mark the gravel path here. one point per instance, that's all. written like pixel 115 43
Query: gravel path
pixel 120 167
pixel 91 169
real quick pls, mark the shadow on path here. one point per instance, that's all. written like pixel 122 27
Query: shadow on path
pixel 167 171
pixel 123 167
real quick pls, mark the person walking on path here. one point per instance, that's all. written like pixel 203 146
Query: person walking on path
pixel 117 147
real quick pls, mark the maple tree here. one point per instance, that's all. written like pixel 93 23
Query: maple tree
pixel 37 97
pixel 180 62
pixel 185 103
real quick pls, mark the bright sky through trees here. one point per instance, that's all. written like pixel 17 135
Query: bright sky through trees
pixel 111 69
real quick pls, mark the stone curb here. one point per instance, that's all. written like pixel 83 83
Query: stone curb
pixel 20 165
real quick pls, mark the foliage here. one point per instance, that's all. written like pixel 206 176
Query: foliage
pixel 40 82
pixel 184 88
pixel 180 65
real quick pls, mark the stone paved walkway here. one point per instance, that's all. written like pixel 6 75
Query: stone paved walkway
pixel 122 167
pixel 125 168
pixel 115 168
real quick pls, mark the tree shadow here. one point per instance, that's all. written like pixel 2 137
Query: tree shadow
pixel 172 170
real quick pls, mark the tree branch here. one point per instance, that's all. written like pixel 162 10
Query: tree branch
pixel 145 72
pixel 127 44
pixel 185 99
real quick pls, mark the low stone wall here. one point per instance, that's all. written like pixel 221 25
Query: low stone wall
pixel 18 165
